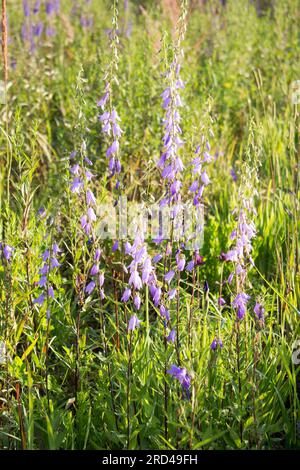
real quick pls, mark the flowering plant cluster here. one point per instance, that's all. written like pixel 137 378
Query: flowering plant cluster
pixel 148 281
pixel 39 19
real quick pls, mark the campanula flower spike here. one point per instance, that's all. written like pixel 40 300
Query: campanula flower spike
pixel 109 118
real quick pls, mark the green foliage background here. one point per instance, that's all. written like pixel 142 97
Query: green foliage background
pixel 239 68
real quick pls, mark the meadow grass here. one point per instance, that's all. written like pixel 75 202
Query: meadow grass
pixel 76 377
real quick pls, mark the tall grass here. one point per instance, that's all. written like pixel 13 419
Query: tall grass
pixel 72 375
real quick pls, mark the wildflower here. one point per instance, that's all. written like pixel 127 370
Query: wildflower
pixel 51 292
pixel 204 177
pixel 221 302
pixel 126 295
pixel 115 246
pixel 172 293
pixel 180 260
pixel 76 185
pixel 38 29
pixel 97 254
pixel 45 255
pixel 26 8
pixel 175 187
pixel 147 269
pixel 113 149
pixel 137 301
pixel 86 22
pixel 91 214
pixel 168 249
pixel 54 263
pixel 40 299
pixel 197 187
pixel 135 280
pixel 90 198
pixel 7 252
pixel 164 312
pixel 85 225
pixel 170 161
pixel 36 7
pixel 89 175
pixel 88 161
pixel 50 31
pixel 190 266
pixel 110 119
pixel 90 287
pixel 240 304
pixel 52 7
pixel 233 175
pixel 171 336
pixel 231 255
pixel 101 294
pixel 101 279
pixel 75 169
pixel 134 323
pixel 102 102
pixel 55 249
pixel 169 276
pixel 217 342
pixel 181 375
pixel 259 311
pixel 194 186
pixel 127 248
pixel 42 212
pixel 44 270
pixel 156 296
pixel 42 281
pixel 94 270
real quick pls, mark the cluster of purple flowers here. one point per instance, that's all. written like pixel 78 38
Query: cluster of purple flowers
pixel 109 118
pixel 142 273
pixel 7 251
pixel 80 185
pixel 134 323
pixel 162 301
pixel 200 176
pixel 181 375
pixel 216 343
pixel 96 275
pixel 80 9
pixel 259 311
pixel 240 304
pixel 240 253
pixel 200 181
pixel 170 162
pixel 111 128
pixel 82 176
pixel 39 18
pixel 50 262
pixel 171 166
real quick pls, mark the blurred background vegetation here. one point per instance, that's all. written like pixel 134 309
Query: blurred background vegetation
pixel 241 61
